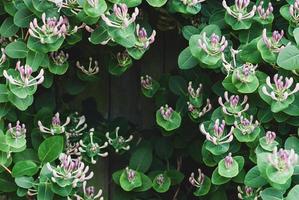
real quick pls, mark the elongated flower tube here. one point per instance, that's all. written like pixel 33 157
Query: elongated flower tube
pixel 59 57
pixel 197 112
pixel 69 172
pixel 280 90
pixel 77 125
pixel 71 5
pixel 217 134
pixel 240 10
pixel 233 105
pixel 51 29
pixel 213 45
pixel 274 43
pixel 143 40
pixel 3 56
pixel 245 71
pixel 197 182
pixel 92 149
pixel 294 11
pixel 121 18
pixel 264 13
pixel 166 112
pixel 91 70
pixel 18 131
pixel 89 193
pixel 248 193
pixel 146 82
pixel 246 126
pixel 270 137
pixel 72 149
pixel 192 92
pixel 230 66
pixel 25 79
pixel 56 127
pixel 283 160
pixel 119 142
pixel 191 3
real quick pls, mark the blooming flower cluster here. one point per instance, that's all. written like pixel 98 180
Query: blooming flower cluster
pixel 191 2
pixel 18 131
pixel 233 105
pixel 240 10
pixel 197 182
pixel 246 126
pixel 146 82
pixel 166 112
pixel 274 43
pixel 217 135
pixel 118 142
pixel 264 14
pixel 142 36
pixel 213 45
pixel 91 70
pixel 121 18
pixel 294 11
pixel 25 79
pixel 59 57
pixel 56 126
pixel 283 160
pixel 281 90
pixel 69 172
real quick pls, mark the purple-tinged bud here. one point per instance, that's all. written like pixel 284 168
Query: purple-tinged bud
pixel 270 137
pixel 166 112
pixel 160 179
pixel 146 82
pixel 197 182
pixel 131 174
pixel 228 161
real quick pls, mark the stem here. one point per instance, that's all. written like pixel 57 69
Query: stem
pixel 6 169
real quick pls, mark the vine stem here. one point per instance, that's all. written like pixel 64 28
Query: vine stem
pixel 6 169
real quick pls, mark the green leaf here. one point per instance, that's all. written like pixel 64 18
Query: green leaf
pixel 24 182
pixel 288 58
pixel 50 149
pixel 6 183
pixel 24 168
pixel 141 158
pixel 177 85
pixel 293 193
pixel 156 3
pixel 8 28
pixel 44 191
pixel 271 194
pixel 186 60
pixel 296 35
pixel 292 143
pixel 254 179
pixel 16 49
pixel 23 17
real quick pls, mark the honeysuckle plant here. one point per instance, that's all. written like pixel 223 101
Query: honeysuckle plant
pixel 237 80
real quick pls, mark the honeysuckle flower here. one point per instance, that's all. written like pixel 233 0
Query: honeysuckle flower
pixel 143 41
pixel 217 134
pixel 77 125
pixel 264 14
pixel 25 79
pixel 3 56
pixel 197 112
pixel 274 43
pixel 72 149
pixel 119 142
pixel 51 29
pixel 233 105
pixel 294 11
pixel 72 5
pixel 18 131
pixel 123 59
pixel 270 137
pixel 59 57
pixel 56 126
pixel 280 90
pixel 160 180
pixel 131 174
pixel 228 161
pixel 283 160
pixel 240 10
pixel 32 192
pixel 197 182
pixel 92 149
pixel 92 70
pixel 192 92
pixel 89 193
pixel 146 82
pixel 246 126
pixel 248 193
pixel 93 3
pixel 191 3
pixel 166 112
pixel 121 18
pixel 69 172
pixel 245 71
pixel 213 45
